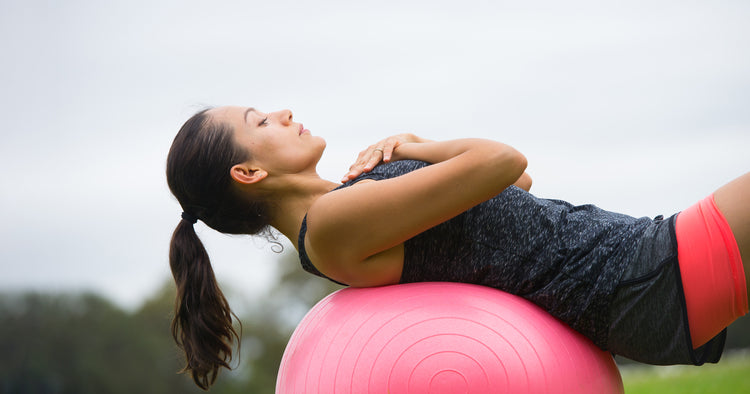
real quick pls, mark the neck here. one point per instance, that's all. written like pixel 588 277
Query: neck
pixel 294 203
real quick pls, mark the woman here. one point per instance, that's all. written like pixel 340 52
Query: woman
pixel 655 290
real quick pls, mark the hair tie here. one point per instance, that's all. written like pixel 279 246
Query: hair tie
pixel 189 217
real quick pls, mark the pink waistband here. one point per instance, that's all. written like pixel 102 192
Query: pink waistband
pixel 713 278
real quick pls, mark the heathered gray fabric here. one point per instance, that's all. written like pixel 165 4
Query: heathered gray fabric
pixel 567 259
pixel 648 318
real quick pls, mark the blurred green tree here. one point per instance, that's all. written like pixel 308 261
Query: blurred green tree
pixel 79 344
pixel 82 343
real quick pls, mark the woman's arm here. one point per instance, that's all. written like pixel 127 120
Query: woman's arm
pixel 383 151
pixel 349 226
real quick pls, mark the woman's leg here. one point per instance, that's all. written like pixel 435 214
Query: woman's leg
pixel 733 200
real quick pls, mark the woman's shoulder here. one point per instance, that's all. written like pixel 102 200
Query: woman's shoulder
pixel 337 218
pixel 338 243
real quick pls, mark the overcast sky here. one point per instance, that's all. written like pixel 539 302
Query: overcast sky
pixel 639 107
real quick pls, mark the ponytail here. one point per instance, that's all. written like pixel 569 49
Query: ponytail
pixel 198 174
pixel 202 324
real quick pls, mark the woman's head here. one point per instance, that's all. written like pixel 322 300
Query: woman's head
pixel 225 165
pixel 220 156
pixel 198 173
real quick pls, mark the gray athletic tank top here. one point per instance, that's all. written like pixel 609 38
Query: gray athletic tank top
pixel 567 259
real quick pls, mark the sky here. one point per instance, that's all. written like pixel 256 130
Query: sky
pixel 639 107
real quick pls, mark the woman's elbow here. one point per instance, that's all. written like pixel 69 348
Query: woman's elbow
pixel 522 163
pixel 505 163
pixel 516 162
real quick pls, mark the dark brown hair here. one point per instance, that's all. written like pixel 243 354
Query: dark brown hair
pixel 198 174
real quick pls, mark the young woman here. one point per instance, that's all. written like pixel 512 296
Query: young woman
pixel 657 290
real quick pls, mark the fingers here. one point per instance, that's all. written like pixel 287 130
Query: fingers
pixel 376 153
pixel 366 161
pixel 375 156
pixel 388 147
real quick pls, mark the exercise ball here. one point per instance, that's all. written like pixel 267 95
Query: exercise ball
pixel 439 338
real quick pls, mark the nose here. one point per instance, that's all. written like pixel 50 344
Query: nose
pixel 285 116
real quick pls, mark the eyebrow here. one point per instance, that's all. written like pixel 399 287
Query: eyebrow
pixel 247 111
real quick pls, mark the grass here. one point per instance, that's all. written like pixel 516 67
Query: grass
pixel 730 375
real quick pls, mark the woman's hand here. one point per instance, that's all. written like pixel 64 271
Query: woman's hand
pixel 380 151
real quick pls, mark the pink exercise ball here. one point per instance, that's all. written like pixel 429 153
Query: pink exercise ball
pixel 439 338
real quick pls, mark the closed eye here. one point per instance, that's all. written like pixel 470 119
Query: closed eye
pixel 263 122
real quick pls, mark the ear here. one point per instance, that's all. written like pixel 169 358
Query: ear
pixel 246 174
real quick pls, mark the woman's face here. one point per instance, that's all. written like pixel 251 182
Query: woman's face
pixel 276 143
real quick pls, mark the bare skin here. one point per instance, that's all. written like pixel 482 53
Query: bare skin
pixel 733 200
pixel 478 169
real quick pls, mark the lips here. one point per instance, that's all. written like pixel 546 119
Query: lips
pixel 302 129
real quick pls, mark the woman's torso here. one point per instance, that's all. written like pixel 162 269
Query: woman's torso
pixel 565 258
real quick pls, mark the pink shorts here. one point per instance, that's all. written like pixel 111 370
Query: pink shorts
pixel 713 278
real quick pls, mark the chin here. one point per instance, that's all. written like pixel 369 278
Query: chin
pixel 322 143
